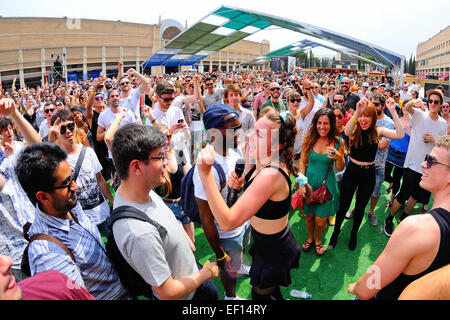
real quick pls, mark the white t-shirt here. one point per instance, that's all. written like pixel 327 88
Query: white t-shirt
pixel 309 117
pixel 107 117
pixel 88 193
pixel 228 165
pixel 132 102
pixel 422 123
pixel 43 129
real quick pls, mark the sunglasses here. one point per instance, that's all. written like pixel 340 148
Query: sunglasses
pixel 340 117
pixel 208 84
pixel 98 98
pixel 432 161
pixel 166 100
pixel 431 101
pixel 70 126
pixel 68 186
pixel 378 103
pixel 125 83
pixel 345 83
pixel 49 110
pixel 295 100
pixel 275 89
pixel 338 101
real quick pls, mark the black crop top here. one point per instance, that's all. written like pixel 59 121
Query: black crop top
pixel 365 152
pixel 271 210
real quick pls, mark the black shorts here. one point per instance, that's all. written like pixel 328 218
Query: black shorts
pixel 410 187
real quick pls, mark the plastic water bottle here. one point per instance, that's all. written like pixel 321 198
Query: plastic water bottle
pixel 300 294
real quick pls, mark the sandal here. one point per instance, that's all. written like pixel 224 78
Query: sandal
pixel 306 246
pixel 388 190
pixel 320 249
pixel 388 204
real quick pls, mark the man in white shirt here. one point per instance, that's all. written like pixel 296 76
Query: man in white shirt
pixel 426 127
pixel 130 99
pixel 213 94
pixel 49 111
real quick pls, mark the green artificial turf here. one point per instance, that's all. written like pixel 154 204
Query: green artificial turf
pixel 326 277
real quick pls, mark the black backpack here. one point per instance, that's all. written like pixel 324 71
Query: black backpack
pixel 187 192
pixel 130 278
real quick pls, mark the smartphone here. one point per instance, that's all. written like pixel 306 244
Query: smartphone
pixel 180 121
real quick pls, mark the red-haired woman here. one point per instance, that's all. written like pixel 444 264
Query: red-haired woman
pixel 360 172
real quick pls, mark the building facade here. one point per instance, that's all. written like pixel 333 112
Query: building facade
pixel 32 48
pixel 433 56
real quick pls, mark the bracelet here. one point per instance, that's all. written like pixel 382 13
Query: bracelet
pixel 354 120
pixel 93 92
pixel 210 269
pixel 224 256
pixel 118 121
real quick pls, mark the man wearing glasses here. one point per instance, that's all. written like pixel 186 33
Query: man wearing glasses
pixel 49 111
pixel 46 177
pixel 159 252
pixel 421 243
pixel 352 98
pixel 275 100
pixel 130 98
pixel 213 95
pixel 426 127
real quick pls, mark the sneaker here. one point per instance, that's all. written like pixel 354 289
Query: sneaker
pixel 232 298
pixel 388 227
pixel 373 220
pixel 244 270
pixel 331 220
pixel 350 214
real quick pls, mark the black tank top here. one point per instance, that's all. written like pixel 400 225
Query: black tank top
pixel 365 152
pixel 272 210
pixel 396 287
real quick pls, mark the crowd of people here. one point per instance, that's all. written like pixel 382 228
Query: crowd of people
pixel 110 160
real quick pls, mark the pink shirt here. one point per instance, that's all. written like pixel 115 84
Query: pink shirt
pixel 260 98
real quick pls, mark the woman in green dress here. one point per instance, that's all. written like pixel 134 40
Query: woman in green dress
pixel 322 149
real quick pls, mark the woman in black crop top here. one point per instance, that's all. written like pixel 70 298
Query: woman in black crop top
pixel 359 175
pixel 265 201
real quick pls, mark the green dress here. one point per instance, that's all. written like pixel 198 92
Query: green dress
pixel 315 172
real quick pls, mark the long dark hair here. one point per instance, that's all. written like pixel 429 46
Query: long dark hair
pixel 313 135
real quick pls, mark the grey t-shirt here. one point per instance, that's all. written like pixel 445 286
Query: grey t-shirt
pixel 155 259
pixel 215 98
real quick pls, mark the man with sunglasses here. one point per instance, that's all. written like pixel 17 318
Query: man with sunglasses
pixel 213 94
pixel 421 243
pixel 93 188
pixel 130 98
pixel 222 123
pixel 46 177
pixel 49 111
pixel 426 127
pixel 275 100
pixel 352 98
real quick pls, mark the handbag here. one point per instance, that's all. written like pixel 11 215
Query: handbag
pixel 321 194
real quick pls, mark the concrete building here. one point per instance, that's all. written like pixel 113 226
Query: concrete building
pixel 433 55
pixel 29 48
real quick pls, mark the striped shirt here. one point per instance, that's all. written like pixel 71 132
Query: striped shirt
pixel 92 270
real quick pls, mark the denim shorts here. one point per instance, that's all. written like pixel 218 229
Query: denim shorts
pixel 179 213
pixel 379 178
pixel 234 246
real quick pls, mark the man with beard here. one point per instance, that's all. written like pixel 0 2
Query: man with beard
pixel 275 100
pixel 46 177
pixel 352 98
pixel 222 124
pixel 130 98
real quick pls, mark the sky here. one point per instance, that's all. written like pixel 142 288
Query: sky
pixel 396 25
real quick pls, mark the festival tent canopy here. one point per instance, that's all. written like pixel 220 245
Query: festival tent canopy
pixel 227 25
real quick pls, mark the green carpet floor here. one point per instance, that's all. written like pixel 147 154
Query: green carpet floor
pixel 326 277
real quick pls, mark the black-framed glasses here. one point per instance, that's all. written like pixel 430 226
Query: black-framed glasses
pixel 338 101
pixel 70 126
pixel 124 83
pixel 63 186
pixel 295 100
pixel 378 104
pixel 430 160
pixel 273 89
pixel 162 157
pixel 49 110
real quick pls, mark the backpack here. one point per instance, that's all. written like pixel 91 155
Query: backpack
pixel 25 264
pixel 128 276
pixel 187 192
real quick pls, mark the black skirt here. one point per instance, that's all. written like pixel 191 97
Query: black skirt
pixel 273 257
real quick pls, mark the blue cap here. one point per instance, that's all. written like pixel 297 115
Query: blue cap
pixel 213 116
